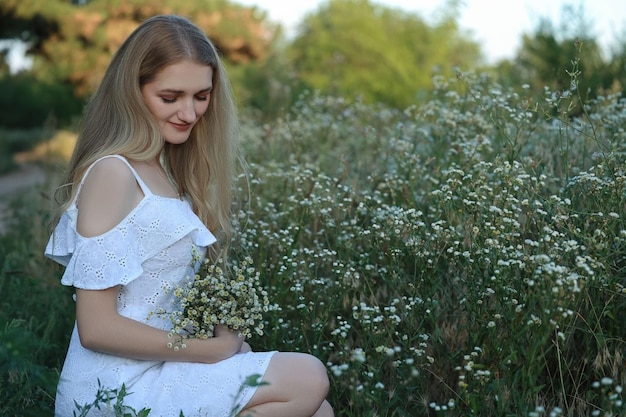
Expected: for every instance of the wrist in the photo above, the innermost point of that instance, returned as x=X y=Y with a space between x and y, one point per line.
x=219 y=348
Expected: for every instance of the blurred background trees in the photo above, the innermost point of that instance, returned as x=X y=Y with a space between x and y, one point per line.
x=71 y=43
x=353 y=48
x=554 y=52
x=356 y=48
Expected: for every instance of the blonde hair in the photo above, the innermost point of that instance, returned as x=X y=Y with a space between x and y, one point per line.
x=117 y=121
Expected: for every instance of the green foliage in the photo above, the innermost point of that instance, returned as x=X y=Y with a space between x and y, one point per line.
x=26 y=385
x=35 y=314
x=28 y=102
x=268 y=88
x=546 y=56
x=115 y=398
x=455 y=265
x=353 y=48
x=111 y=399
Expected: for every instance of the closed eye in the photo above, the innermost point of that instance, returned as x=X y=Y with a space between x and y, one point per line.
x=169 y=100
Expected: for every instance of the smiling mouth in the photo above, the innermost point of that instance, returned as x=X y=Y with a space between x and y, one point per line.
x=181 y=126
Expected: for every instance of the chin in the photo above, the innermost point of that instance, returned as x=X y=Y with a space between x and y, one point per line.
x=176 y=142
x=177 y=138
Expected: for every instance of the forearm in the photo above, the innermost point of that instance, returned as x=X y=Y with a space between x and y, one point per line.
x=122 y=336
x=103 y=329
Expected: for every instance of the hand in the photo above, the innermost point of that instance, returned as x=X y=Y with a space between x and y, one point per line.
x=234 y=337
x=245 y=348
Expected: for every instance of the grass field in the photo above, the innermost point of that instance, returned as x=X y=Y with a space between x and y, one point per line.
x=465 y=257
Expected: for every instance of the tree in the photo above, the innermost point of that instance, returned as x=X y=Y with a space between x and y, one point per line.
x=356 y=48
x=73 y=41
x=563 y=59
x=617 y=65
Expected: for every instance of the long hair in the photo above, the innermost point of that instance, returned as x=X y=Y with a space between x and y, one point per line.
x=117 y=121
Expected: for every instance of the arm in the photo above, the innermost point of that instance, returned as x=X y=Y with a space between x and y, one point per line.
x=109 y=193
x=102 y=329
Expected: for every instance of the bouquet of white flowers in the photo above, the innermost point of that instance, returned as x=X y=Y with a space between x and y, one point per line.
x=235 y=299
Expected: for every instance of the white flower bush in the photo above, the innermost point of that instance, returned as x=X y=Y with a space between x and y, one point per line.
x=461 y=257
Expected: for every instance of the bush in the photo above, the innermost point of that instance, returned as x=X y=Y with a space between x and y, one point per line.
x=461 y=258
x=27 y=102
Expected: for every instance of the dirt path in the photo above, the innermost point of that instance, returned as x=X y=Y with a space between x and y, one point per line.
x=21 y=180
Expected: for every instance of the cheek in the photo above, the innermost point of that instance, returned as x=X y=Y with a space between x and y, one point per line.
x=162 y=111
x=201 y=108
x=154 y=107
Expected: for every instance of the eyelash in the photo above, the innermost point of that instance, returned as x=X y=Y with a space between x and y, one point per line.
x=173 y=100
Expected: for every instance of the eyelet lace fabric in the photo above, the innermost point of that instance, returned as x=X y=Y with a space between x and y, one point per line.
x=147 y=253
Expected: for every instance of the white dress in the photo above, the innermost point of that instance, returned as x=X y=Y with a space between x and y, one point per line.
x=146 y=253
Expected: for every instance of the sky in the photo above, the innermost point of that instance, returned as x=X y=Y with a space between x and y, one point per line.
x=497 y=25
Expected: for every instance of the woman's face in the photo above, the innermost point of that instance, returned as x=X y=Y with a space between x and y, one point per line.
x=178 y=97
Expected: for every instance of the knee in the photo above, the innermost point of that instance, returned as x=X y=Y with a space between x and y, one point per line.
x=298 y=376
x=317 y=375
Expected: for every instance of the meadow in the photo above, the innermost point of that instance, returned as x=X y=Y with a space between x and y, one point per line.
x=463 y=257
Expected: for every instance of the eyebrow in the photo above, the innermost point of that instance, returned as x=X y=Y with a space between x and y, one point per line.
x=169 y=90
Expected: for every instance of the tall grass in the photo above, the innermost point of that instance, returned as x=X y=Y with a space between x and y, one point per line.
x=461 y=258
x=36 y=314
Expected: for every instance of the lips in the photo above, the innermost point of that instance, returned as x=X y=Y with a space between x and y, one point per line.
x=181 y=127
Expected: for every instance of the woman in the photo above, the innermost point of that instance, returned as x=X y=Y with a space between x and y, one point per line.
x=128 y=225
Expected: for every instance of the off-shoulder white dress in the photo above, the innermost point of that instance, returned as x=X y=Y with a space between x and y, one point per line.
x=147 y=253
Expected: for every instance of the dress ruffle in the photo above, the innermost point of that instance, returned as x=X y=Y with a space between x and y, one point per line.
x=116 y=257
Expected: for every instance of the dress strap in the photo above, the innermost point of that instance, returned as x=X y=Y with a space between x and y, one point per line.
x=144 y=188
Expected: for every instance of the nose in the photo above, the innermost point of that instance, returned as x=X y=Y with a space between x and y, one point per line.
x=187 y=112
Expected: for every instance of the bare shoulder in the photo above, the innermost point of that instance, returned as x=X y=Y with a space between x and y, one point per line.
x=109 y=193
x=111 y=168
